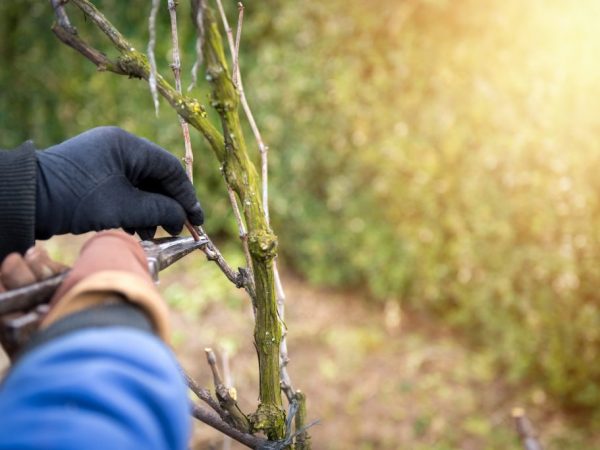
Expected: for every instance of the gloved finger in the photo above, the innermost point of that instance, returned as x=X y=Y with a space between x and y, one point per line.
x=155 y=210
x=41 y=264
x=181 y=190
x=15 y=272
x=146 y=233
x=146 y=162
x=173 y=230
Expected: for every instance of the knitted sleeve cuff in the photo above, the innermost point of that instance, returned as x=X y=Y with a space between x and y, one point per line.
x=17 y=199
x=118 y=313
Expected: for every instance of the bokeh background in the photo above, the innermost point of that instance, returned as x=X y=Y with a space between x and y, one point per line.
x=435 y=185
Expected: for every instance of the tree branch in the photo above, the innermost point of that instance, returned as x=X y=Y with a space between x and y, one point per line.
x=236 y=52
x=525 y=430
x=217 y=423
x=241 y=228
x=286 y=383
x=70 y=37
x=151 y=57
x=228 y=381
x=61 y=15
x=226 y=396
x=93 y=14
x=204 y=395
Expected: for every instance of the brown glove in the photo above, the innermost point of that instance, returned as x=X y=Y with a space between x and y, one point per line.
x=112 y=262
x=17 y=270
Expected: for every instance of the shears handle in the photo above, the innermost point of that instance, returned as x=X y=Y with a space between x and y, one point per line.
x=29 y=296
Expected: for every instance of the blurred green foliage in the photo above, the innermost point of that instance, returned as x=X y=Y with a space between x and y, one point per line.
x=441 y=153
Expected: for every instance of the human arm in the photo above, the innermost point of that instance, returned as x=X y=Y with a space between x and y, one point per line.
x=101 y=179
x=98 y=374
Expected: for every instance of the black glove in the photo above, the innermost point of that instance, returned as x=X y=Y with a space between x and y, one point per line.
x=107 y=178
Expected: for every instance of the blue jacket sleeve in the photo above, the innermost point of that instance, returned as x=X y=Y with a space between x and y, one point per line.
x=97 y=388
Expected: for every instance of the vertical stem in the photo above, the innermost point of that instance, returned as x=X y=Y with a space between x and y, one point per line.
x=286 y=384
x=176 y=66
x=151 y=58
x=228 y=381
x=241 y=228
x=197 y=19
x=240 y=174
x=303 y=440
x=527 y=433
x=236 y=50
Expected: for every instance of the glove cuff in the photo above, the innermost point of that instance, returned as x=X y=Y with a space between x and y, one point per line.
x=92 y=291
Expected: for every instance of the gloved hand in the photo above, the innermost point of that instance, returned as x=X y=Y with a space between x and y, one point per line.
x=110 y=263
x=17 y=270
x=107 y=178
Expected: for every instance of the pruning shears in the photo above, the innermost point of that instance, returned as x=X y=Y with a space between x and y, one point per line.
x=21 y=309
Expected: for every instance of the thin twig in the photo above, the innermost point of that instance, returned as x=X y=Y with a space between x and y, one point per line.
x=61 y=15
x=228 y=31
x=286 y=382
x=238 y=36
x=217 y=423
x=525 y=430
x=204 y=395
x=239 y=279
x=151 y=57
x=93 y=14
x=211 y=358
x=70 y=37
x=242 y=278
x=243 y=234
x=227 y=396
x=176 y=66
x=197 y=17
x=228 y=380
